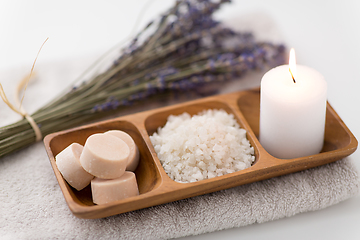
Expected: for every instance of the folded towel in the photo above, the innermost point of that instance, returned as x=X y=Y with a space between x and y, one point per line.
x=32 y=205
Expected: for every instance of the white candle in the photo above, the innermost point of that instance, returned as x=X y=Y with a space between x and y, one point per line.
x=292 y=110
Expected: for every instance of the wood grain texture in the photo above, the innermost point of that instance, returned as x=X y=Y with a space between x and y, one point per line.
x=156 y=187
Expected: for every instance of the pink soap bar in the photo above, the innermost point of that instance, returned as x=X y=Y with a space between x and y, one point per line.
x=110 y=190
x=68 y=163
x=105 y=156
x=134 y=151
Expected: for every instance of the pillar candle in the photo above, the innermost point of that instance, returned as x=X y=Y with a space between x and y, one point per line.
x=292 y=110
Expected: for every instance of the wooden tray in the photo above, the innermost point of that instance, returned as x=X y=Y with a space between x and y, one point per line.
x=156 y=187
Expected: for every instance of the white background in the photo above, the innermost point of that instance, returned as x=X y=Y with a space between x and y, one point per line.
x=325 y=35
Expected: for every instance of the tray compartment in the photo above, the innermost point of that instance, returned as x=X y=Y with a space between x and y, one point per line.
x=147 y=175
x=337 y=136
x=159 y=119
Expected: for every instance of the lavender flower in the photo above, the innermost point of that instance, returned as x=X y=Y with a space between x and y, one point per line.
x=183 y=51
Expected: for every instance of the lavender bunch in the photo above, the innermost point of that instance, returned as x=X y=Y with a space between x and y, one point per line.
x=184 y=50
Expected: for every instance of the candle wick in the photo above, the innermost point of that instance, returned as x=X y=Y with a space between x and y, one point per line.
x=292 y=75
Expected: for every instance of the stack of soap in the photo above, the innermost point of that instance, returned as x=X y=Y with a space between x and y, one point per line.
x=106 y=160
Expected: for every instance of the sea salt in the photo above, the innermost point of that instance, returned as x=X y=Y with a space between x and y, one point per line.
x=206 y=145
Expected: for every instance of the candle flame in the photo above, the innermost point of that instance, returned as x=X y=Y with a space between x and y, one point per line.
x=292 y=65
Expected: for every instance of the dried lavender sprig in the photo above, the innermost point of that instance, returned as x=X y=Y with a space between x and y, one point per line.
x=240 y=64
x=185 y=74
x=206 y=66
x=117 y=87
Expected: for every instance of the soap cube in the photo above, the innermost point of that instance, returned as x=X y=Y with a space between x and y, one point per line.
x=110 y=190
x=105 y=156
x=134 y=151
x=68 y=163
